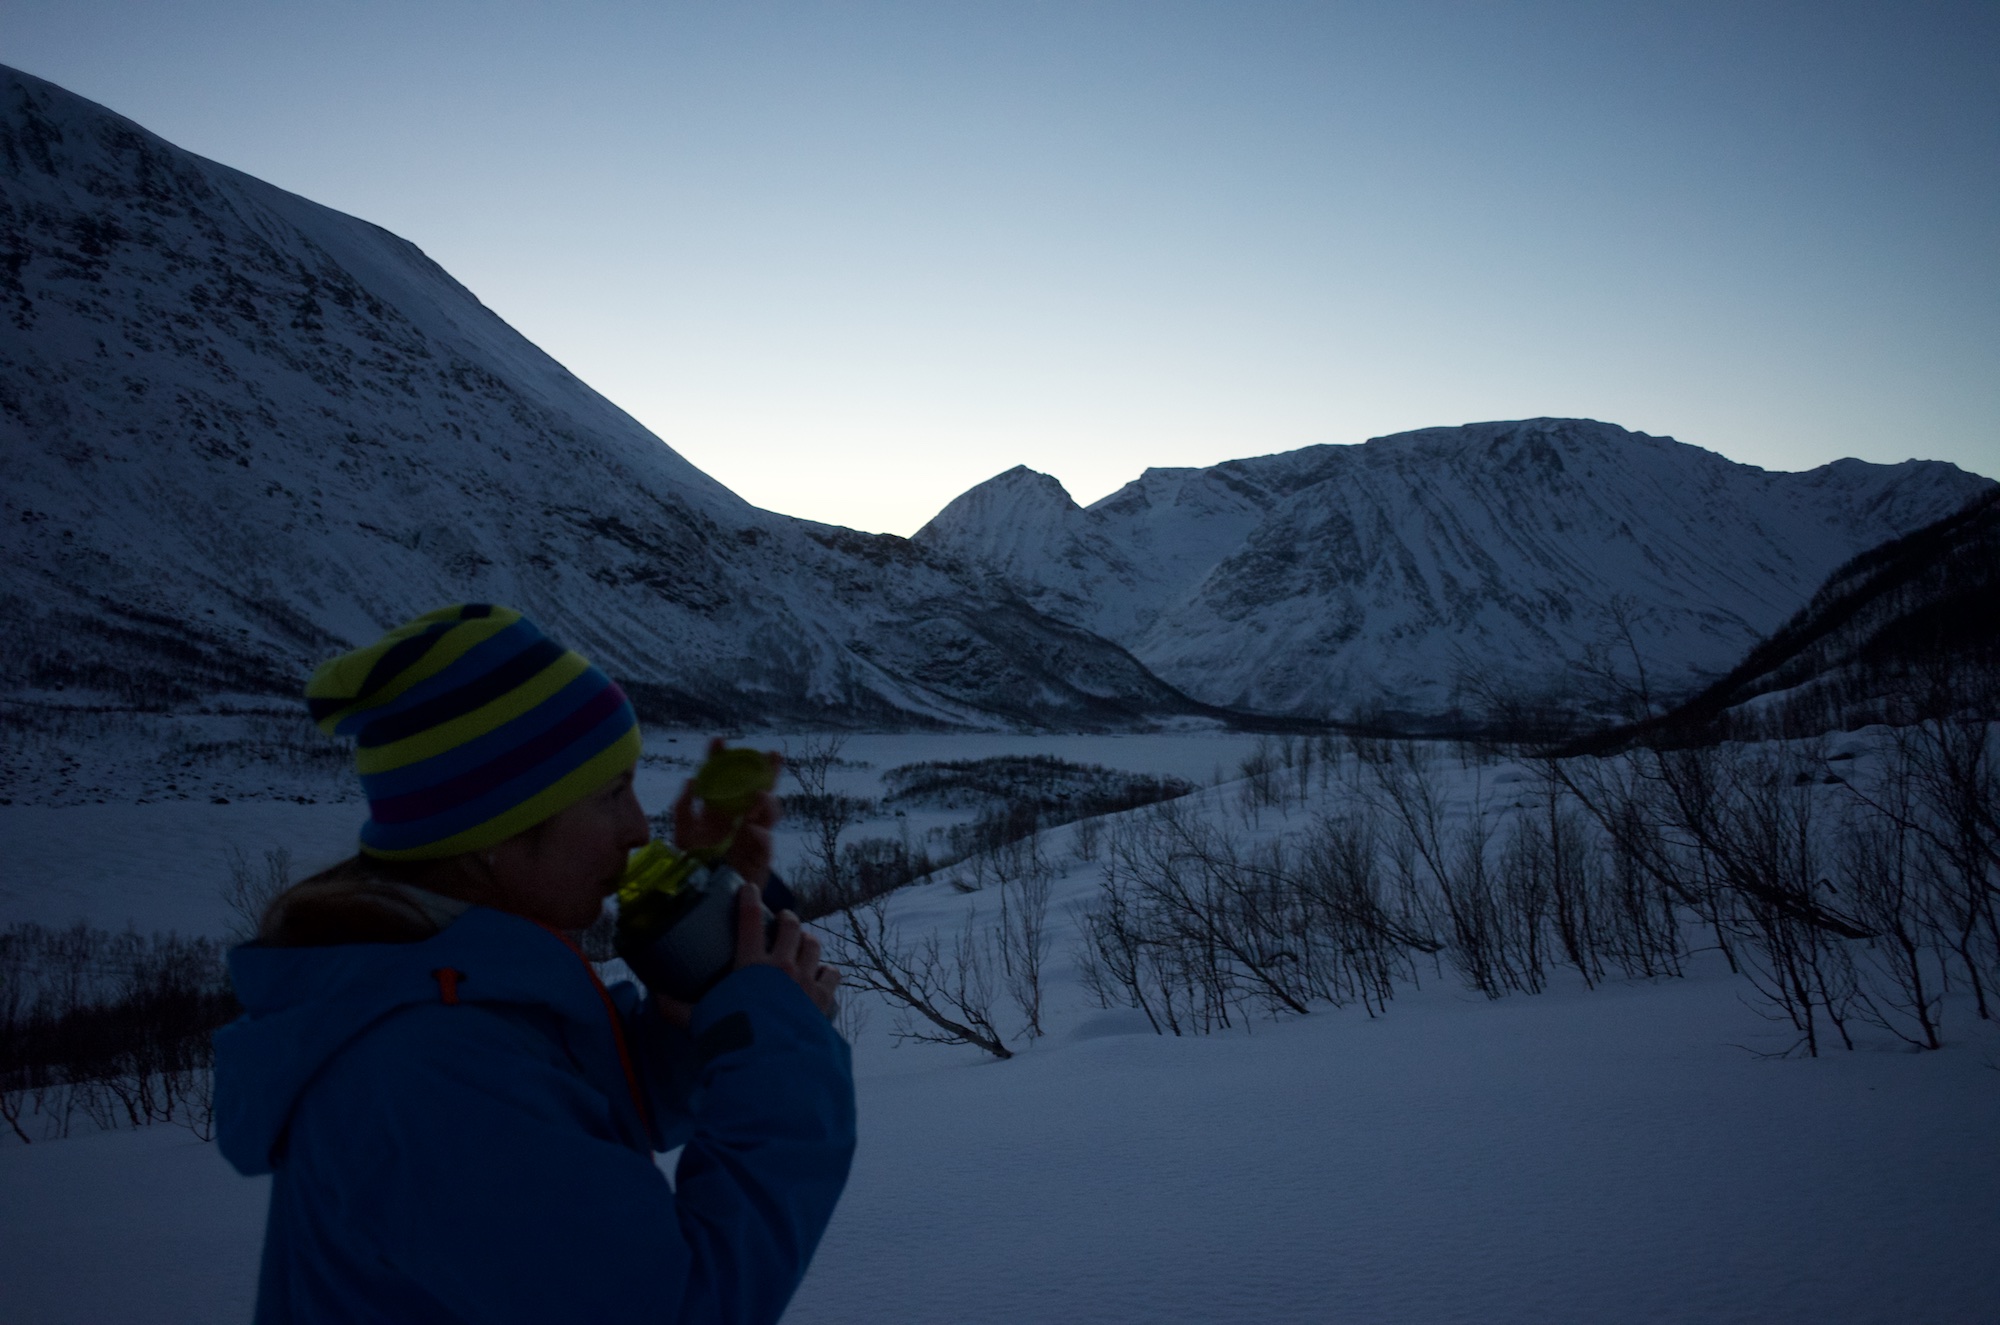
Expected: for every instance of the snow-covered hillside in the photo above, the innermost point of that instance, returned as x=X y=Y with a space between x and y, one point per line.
x=239 y=431
x=1618 y=1154
x=1336 y=580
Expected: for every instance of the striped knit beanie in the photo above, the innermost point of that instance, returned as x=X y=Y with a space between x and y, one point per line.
x=470 y=726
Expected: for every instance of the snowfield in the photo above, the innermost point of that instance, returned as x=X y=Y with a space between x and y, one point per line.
x=1616 y=1155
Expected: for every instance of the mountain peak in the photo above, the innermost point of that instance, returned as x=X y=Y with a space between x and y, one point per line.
x=1023 y=501
x=1332 y=579
x=1023 y=479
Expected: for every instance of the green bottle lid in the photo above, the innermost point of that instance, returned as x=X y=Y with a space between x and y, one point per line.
x=732 y=777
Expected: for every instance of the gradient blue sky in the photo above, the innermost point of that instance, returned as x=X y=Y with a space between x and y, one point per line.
x=852 y=258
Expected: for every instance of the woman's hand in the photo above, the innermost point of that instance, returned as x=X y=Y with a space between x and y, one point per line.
x=792 y=950
x=699 y=826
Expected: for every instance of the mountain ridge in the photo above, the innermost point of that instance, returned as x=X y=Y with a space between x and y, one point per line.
x=1363 y=575
x=242 y=430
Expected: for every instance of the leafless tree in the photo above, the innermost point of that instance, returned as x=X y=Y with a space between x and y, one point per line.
x=1955 y=811
x=1196 y=931
x=1303 y=757
x=826 y=813
x=1367 y=938
x=1085 y=839
x=1605 y=662
x=1262 y=785
x=1493 y=916
x=249 y=891
x=1112 y=961
x=1883 y=870
x=944 y=992
x=1736 y=835
x=110 y=1027
x=1024 y=882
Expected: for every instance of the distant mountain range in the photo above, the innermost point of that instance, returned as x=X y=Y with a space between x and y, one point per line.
x=240 y=431
x=1349 y=581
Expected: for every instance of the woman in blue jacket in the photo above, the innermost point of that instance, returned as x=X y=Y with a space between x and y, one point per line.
x=459 y=1118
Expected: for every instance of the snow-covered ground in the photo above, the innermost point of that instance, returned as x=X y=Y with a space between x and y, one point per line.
x=1609 y=1155
x=1594 y=1157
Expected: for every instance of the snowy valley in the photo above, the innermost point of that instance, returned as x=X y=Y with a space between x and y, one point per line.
x=1631 y=1151
x=1259 y=1018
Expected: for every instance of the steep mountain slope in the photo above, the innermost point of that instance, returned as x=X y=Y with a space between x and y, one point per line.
x=1340 y=580
x=239 y=430
x=1907 y=630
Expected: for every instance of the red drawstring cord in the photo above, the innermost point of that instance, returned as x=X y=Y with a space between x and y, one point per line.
x=617 y=1028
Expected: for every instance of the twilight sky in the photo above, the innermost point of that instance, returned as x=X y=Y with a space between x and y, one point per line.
x=852 y=258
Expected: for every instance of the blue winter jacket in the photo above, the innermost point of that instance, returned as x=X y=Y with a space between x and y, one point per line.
x=462 y=1130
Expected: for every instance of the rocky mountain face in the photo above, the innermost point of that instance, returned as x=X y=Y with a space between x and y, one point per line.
x=240 y=431
x=1378 y=579
x=1904 y=632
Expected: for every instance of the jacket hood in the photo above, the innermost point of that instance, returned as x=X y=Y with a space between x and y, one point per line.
x=302 y=1006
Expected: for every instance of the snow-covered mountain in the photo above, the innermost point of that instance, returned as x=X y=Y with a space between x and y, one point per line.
x=1352 y=580
x=1905 y=631
x=239 y=431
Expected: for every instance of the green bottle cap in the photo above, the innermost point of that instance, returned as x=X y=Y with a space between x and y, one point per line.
x=732 y=777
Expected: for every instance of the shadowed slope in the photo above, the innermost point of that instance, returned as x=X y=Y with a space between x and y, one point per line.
x=242 y=431
x=1907 y=630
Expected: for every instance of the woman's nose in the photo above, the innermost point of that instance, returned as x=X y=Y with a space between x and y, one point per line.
x=638 y=831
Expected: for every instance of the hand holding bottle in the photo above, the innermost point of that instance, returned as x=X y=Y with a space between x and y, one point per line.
x=678 y=918
x=729 y=808
x=792 y=950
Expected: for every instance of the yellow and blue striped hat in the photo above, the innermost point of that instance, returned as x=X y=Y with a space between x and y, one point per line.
x=471 y=725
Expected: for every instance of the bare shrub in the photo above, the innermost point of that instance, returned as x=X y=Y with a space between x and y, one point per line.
x=1884 y=872
x=1854 y=897
x=1088 y=836
x=1364 y=939
x=1300 y=755
x=1197 y=932
x=1024 y=880
x=944 y=992
x=249 y=891
x=113 y=1028
x=1493 y=917
x=826 y=813
x=1953 y=810
x=1261 y=784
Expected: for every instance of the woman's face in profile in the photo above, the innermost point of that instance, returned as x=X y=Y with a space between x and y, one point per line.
x=560 y=871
